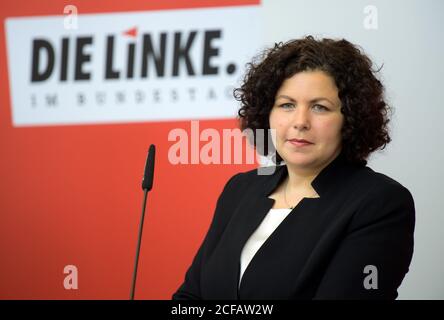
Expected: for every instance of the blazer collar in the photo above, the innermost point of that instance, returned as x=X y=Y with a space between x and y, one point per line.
x=329 y=177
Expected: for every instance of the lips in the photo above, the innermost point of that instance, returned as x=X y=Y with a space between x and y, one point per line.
x=300 y=142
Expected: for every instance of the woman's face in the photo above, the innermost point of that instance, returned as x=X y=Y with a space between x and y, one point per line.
x=307 y=107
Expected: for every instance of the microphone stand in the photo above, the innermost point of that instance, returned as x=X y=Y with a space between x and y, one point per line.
x=147 y=184
x=139 y=241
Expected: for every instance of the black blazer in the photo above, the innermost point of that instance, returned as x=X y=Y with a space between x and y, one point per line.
x=321 y=249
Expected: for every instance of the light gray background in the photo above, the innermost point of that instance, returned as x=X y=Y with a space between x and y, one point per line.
x=409 y=42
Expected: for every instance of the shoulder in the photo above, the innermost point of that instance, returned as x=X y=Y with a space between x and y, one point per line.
x=377 y=184
x=382 y=198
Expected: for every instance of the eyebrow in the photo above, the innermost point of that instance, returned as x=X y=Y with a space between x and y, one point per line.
x=311 y=101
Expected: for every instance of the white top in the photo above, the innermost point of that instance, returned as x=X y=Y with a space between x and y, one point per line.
x=271 y=221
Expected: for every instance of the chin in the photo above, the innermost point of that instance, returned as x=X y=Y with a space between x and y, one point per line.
x=300 y=159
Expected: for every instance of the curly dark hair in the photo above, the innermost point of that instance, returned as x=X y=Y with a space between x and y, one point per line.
x=361 y=93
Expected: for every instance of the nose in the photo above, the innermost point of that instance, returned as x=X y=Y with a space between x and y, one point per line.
x=301 y=118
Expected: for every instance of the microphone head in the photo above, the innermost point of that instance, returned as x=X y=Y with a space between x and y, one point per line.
x=147 y=182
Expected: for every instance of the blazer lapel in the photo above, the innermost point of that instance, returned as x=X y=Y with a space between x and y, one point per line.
x=222 y=270
x=248 y=215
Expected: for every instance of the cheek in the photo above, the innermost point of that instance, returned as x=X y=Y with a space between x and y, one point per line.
x=330 y=129
x=281 y=118
x=276 y=121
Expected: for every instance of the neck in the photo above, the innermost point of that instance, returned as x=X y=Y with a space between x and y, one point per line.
x=301 y=178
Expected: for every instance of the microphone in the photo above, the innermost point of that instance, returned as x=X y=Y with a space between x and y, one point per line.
x=147 y=184
x=147 y=181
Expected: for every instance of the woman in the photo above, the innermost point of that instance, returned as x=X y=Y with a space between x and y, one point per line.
x=323 y=225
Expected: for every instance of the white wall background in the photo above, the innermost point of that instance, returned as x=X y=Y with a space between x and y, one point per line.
x=409 y=42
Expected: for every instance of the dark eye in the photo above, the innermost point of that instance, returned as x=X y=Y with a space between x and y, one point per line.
x=320 y=107
x=286 y=105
